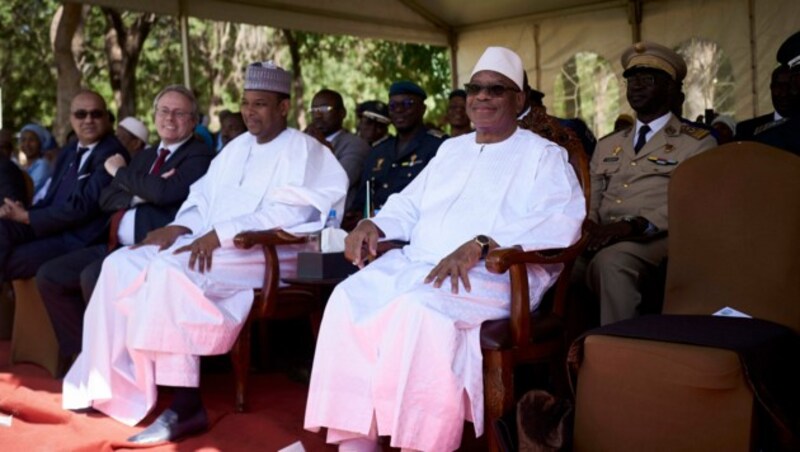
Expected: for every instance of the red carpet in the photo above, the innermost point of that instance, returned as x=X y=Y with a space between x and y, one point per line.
x=273 y=421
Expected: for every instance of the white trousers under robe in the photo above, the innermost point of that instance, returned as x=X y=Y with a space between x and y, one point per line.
x=150 y=318
x=406 y=352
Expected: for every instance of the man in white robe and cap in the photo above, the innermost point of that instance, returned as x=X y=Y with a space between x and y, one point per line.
x=399 y=351
x=161 y=304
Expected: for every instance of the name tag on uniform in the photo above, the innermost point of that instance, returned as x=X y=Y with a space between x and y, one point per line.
x=610 y=159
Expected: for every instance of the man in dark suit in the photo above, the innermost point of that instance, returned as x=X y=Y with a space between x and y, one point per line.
x=143 y=196
x=12 y=181
x=786 y=134
x=69 y=216
x=780 y=89
x=327 y=114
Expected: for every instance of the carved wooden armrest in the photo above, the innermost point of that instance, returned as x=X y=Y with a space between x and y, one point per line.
x=500 y=260
x=271 y=237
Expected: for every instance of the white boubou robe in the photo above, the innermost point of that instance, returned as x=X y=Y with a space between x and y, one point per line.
x=393 y=346
x=150 y=316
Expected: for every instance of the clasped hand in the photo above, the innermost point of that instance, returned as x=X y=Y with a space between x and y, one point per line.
x=601 y=236
x=14 y=211
x=201 y=248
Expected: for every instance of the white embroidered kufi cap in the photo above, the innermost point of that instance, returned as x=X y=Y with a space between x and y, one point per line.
x=267 y=76
x=135 y=127
x=502 y=61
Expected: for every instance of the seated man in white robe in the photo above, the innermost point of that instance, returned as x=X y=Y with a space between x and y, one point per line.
x=186 y=290
x=399 y=348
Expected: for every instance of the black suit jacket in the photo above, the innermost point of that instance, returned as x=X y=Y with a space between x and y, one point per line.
x=745 y=129
x=12 y=182
x=163 y=197
x=80 y=216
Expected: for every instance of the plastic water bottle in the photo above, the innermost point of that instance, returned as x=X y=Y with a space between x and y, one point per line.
x=331 y=221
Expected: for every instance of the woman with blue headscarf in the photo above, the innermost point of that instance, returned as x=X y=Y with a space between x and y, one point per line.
x=33 y=141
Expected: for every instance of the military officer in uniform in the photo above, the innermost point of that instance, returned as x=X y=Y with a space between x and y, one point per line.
x=785 y=134
x=630 y=172
x=396 y=161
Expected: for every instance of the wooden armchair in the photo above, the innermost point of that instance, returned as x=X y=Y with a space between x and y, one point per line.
x=531 y=337
x=272 y=301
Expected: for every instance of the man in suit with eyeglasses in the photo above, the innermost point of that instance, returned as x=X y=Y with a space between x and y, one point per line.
x=143 y=196
x=327 y=114
x=69 y=216
x=395 y=162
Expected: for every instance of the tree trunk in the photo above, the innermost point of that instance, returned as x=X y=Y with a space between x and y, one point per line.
x=66 y=22
x=297 y=78
x=123 y=48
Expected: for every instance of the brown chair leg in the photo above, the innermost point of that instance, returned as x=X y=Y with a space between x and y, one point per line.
x=498 y=388
x=240 y=358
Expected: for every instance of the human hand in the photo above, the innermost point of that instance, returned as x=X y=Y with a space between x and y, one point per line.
x=601 y=236
x=168 y=174
x=456 y=265
x=317 y=133
x=14 y=211
x=366 y=234
x=201 y=249
x=163 y=237
x=114 y=163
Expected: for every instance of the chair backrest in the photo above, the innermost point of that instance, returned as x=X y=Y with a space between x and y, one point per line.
x=734 y=234
x=546 y=126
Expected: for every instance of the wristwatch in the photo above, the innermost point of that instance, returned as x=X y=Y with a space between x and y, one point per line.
x=483 y=241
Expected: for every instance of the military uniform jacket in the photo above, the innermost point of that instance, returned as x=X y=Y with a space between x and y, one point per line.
x=389 y=171
x=626 y=183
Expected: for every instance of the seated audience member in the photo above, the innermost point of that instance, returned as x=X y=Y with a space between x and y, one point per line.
x=630 y=172
x=457 y=113
x=781 y=94
x=397 y=161
x=785 y=134
x=185 y=290
x=12 y=181
x=143 y=196
x=231 y=126
x=373 y=122
x=399 y=348
x=69 y=216
x=327 y=114
x=725 y=127
x=33 y=140
x=133 y=134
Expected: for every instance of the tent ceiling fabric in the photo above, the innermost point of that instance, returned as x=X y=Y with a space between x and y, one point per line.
x=420 y=21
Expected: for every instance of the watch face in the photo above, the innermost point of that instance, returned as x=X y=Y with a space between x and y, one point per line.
x=482 y=239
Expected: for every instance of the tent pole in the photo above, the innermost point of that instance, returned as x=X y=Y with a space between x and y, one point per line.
x=538 y=62
x=452 y=39
x=184 y=21
x=751 y=11
x=635 y=19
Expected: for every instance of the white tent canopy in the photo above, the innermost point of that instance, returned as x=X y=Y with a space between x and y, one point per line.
x=546 y=33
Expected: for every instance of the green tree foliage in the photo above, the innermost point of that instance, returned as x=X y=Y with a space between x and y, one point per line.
x=360 y=69
x=26 y=63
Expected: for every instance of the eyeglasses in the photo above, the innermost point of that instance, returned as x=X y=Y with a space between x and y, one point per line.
x=405 y=103
x=473 y=89
x=178 y=114
x=95 y=114
x=645 y=80
x=321 y=109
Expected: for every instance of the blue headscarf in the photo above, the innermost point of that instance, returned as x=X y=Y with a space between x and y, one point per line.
x=45 y=138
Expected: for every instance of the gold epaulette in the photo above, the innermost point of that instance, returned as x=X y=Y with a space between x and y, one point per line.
x=695 y=132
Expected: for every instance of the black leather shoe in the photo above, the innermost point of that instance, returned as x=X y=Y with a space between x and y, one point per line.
x=167 y=427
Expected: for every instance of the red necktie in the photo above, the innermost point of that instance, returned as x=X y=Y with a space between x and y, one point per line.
x=116 y=219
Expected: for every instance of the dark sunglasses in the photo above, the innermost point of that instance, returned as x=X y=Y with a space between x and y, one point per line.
x=473 y=89
x=405 y=103
x=95 y=114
